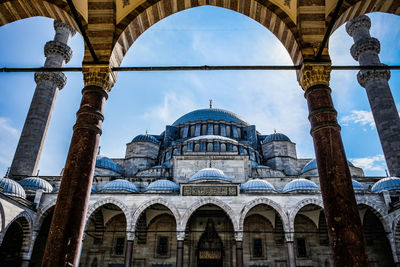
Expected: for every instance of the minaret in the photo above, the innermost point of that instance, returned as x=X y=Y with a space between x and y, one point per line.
x=365 y=50
x=57 y=53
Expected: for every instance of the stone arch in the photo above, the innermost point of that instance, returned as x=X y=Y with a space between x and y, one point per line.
x=43 y=212
x=2 y=218
x=268 y=202
x=11 y=11
x=149 y=203
x=26 y=229
x=300 y=205
x=92 y=208
x=209 y=200
x=378 y=211
x=148 y=13
x=364 y=7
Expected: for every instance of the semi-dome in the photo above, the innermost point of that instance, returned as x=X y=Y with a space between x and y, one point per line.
x=312 y=165
x=12 y=188
x=162 y=185
x=36 y=183
x=210 y=175
x=257 y=185
x=386 y=184
x=357 y=186
x=275 y=137
x=300 y=185
x=107 y=163
x=146 y=138
x=119 y=185
x=212 y=114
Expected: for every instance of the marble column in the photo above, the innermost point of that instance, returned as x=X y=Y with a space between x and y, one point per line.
x=341 y=211
x=289 y=239
x=180 y=237
x=57 y=52
x=365 y=50
x=67 y=226
x=128 y=253
x=239 y=249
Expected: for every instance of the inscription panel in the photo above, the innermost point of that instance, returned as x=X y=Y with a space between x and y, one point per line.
x=208 y=190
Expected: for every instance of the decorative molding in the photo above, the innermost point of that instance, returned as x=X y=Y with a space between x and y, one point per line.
x=366 y=76
x=314 y=74
x=58 y=49
x=180 y=235
x=98 y=75
x=58 y=25
x=58 y=78
x=358 y=23
x=239 y=236
x=370 y=44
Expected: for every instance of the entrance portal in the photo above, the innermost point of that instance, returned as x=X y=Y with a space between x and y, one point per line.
x=210 y=253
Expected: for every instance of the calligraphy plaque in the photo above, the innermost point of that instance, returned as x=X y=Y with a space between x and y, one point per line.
x=207 y=190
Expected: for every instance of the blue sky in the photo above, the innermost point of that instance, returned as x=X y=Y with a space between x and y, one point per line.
x=143 y=101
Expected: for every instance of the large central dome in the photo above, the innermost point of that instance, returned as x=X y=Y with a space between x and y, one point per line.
x=212 y=114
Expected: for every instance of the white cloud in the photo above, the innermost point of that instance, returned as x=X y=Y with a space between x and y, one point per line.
x=5 y=127
x=361 y=117
x=374 y=163
x=8 y=141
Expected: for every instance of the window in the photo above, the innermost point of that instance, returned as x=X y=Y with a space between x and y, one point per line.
x=257 y=248
x=301 y=247
x=162 y=246
x=119 y=246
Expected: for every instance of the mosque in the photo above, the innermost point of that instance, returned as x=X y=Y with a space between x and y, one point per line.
x=210 y=190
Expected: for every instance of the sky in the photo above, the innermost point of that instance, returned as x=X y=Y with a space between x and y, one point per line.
x=148 y=101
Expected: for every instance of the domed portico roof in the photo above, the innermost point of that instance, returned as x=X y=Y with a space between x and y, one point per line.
x=386 y=184
x=275 y=137
x=257 y=185
x=300 y=185
x=107 y=163
x=162 y=185
x=119 y=185
x=213 y=114
x=146 y=138
x=36 y=183
x=12 y=188
x=210 y=175
x=357 y=186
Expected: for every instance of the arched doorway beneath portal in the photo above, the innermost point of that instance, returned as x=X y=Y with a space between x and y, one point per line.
x=209 y=238
x=40 y=242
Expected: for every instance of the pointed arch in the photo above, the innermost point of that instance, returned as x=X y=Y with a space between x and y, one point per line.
x=300 y=205
x=209 y=200
x=378 y=211
x=26 y=222
x=268 y=202
x=43 y=212
x=149 y=203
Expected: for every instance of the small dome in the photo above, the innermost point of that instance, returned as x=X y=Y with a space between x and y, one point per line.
x=312 y=165
x=12 y=188
x=213 y=114
x=146 y=138
x=162 y=185
x=257 y=185
x=36 y=183
x=275 y=137
x=210 y=175
x=386 y=184
x=357 y=186
x=106 y=163
x=300 y=185
x=120 y=185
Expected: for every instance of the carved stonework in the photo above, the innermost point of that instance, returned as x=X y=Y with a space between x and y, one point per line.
x=58 y=25
x=357 y=23
x=130 y=236
x=238 y=236
x=364 y=45
x=314 y=74
x=58 y=78
x=289 y=237
x=209 y=190
x=365 y=76
x=99 y=75
x=59 y=49
x=180 y=235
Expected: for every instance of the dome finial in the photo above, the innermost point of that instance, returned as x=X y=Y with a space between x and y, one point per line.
x=98 y=152
x=210 y=103
x=147 y=132
x=274 y=130
x=7 y=173
x=37 y=174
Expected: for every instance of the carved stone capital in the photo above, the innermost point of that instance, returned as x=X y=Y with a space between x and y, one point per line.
x=365 y=45
x=58 y=78
x=98 y=75
x=289 y=237
x=365 y=76
x=238 y=236
x=58 y=25
x=59 y=49
x=180 y=235
x=130 y=236
x=357 y=23
x=312 y=74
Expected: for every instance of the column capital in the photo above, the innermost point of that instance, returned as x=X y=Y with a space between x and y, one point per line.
x=58 y=78
x=180 y=235
x=357 y=23
x=238 y=236
x=289 y=237
x=370 y=44
x=130 y=236
x=313 y=73
x=98 y=75
x=365 y=76
x=58 y=25
x=58 y=49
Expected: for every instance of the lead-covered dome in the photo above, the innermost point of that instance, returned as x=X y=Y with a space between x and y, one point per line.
x=146 y=138
x=312 y=165
x=386 y=184
x=300 y=185
x=276 y=137
x=106 y=163
x=12 y=188
x=36 y=183
x=210 y=175
x=210 y=114
x=119 y=185
x=162 y=185
x=257 y=185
